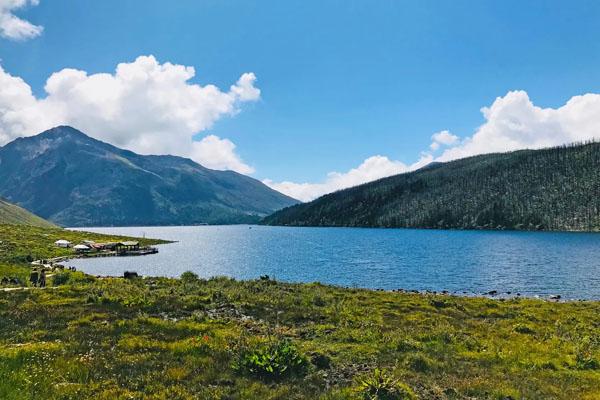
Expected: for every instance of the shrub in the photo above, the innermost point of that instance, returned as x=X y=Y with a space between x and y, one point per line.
x=61 y=278
x=188 y=277
x=272 y=361
x=381 y=386
x=72 y=278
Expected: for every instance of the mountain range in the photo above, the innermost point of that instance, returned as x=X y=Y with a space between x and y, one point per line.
x=548 y=189
x=71 y=179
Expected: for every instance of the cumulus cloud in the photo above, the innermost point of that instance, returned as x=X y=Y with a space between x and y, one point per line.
x=512 y=122
x=144 y=106
x=371 y=169
x=13 y=27
x=442 y=138
x=216 y=153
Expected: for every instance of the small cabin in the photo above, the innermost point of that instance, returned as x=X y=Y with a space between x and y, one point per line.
x=124 y=247
x=62 y=243
x=81 y=248
x=110 y=246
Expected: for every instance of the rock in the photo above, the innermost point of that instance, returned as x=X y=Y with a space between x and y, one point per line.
x=555 y=297
x=320 y=360
x=492 y=293
x=130 y=275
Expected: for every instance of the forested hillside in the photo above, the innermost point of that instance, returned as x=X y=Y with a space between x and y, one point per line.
x=550 y=189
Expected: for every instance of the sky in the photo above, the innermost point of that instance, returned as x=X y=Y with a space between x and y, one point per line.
x=306 y=96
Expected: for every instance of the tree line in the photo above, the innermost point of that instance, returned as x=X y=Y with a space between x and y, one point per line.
x=550 y=189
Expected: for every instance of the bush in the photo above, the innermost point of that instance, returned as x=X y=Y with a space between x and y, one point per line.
x=61 y=278
x=380 y=386
x=189 y=278
x=72 y=278
x=272 y=361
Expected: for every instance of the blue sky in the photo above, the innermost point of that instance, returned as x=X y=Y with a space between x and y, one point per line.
x=340 y=81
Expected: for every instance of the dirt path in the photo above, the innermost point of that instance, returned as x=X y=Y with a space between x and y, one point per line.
x=14 y=289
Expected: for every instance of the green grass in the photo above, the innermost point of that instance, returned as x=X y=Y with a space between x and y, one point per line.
x=15 y=215
x=159 y=338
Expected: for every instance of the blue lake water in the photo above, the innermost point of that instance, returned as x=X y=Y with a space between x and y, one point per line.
x=531 y=263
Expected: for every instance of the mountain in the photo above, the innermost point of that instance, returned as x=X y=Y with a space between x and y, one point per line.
x=550 y=189
x=73 y=180
x=15 y=215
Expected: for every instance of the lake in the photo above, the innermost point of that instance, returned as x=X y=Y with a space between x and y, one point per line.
x=465 y=262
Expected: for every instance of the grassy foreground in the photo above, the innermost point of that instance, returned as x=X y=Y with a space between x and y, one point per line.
x=158 y=338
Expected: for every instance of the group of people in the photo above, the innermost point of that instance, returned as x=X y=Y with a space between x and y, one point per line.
x=38 y=278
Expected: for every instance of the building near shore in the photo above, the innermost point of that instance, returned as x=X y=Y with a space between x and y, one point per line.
x=62 y=243
x=124 y=247
x=81 y=248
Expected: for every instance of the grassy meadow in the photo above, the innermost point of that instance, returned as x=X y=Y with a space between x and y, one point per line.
x=157 y=338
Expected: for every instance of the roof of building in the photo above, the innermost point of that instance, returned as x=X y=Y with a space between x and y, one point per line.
x=62 y=241
x=81 y=247
x=130 y=243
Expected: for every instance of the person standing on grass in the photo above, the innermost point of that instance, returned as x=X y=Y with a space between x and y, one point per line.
x=33 y=277
x=43 y=278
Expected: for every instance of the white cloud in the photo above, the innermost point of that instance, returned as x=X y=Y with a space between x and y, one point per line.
x=445 y=138
x=512 y=122
x=371 y=169
x=144 y=106
x=216 y=153
x=442 y=138
x=13 y=27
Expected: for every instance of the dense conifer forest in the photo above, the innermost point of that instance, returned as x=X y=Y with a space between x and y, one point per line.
x=550 y=189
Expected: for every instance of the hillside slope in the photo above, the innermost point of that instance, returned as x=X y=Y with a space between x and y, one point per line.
x=549 y=189
x=74 y=180
x=15 y=215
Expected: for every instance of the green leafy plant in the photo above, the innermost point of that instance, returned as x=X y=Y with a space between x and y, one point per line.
x=272 y=361
x=584 y=356
x=381 y=386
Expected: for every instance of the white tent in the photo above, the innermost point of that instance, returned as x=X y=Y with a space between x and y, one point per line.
x=62 y=243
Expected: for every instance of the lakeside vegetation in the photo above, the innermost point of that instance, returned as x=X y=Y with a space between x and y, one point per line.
x=22 y=244
x=190 y=338
x=555 y=189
